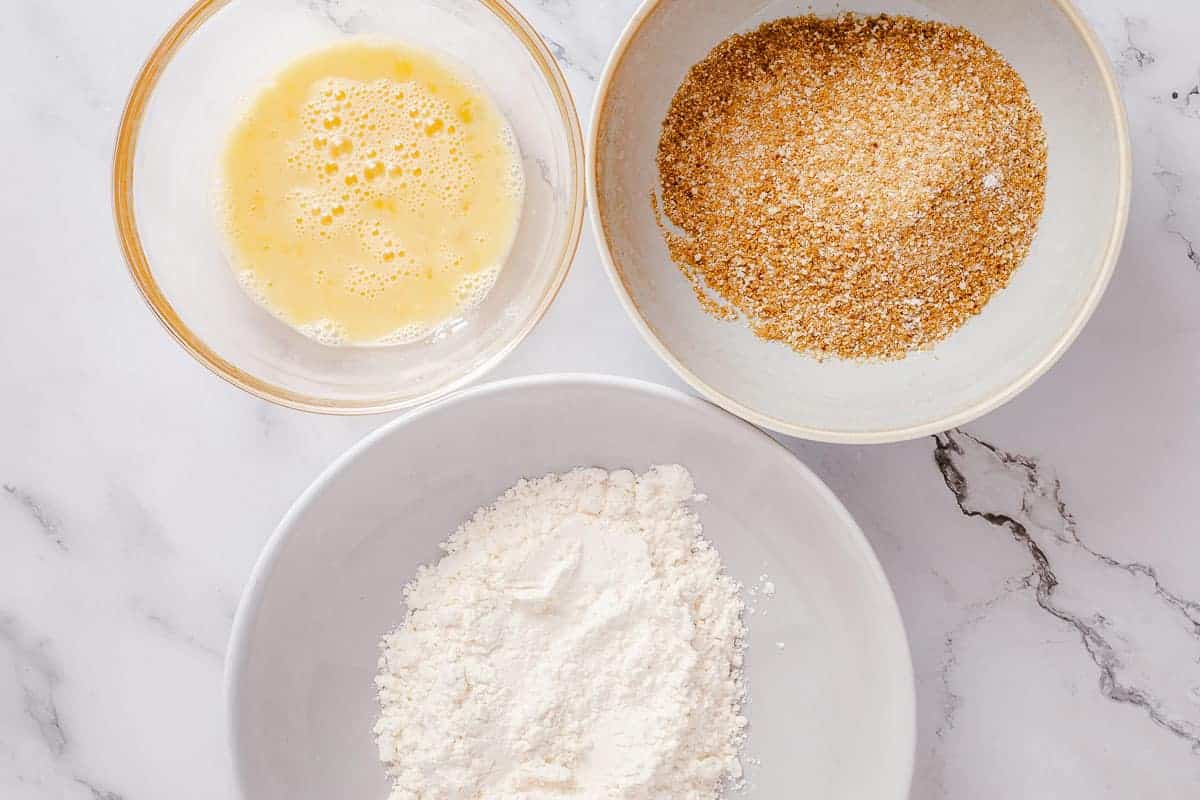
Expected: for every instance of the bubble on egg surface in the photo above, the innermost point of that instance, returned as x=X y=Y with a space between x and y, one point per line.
x=408 y=334
x=397 y=198
x=252 y=286
x=325 y=331
x=376 y=136
x=473 y=287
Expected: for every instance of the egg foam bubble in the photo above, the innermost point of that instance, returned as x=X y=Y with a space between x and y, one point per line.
x=370 y=194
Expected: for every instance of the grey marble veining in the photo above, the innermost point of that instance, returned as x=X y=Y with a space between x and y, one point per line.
x=43 y=520
x=1143 y=638
x=1046 y=557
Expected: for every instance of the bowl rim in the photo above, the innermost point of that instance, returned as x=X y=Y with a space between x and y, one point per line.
x=1112 y=251
x=124 y=156
x=245 y=617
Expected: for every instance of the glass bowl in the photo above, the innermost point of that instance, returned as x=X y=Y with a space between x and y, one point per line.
x=186 y=100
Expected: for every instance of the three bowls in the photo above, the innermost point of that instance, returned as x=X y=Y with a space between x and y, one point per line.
x=327 y=581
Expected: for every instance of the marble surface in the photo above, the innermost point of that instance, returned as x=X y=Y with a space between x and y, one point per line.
x=1046 y=557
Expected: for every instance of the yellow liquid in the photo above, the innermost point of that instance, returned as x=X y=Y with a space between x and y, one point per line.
x=370 y=194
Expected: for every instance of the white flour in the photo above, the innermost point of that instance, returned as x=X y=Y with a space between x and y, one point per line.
x=579 y=639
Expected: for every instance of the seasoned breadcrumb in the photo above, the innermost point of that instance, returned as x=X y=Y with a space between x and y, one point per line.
x=855 y=187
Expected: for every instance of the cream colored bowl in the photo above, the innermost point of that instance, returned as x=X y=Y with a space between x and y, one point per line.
x=832 y=713
x=1021 y=332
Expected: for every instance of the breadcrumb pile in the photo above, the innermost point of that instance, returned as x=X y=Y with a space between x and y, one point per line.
x=855 y=186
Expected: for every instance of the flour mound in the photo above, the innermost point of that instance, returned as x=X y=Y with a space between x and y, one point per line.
x=578 y=639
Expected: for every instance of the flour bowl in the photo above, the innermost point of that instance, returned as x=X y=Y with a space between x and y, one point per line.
x=185 y=102
x=1020 y=333
x=831 y=713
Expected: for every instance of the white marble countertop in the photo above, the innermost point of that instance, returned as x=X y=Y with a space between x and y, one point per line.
x=1046 y=557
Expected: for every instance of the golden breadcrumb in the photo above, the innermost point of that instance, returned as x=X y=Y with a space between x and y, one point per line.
x=856 y=186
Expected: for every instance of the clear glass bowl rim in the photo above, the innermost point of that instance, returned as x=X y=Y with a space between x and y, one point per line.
x=143 y=276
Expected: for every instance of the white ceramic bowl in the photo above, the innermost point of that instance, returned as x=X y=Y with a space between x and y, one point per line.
x=1021 y=332
x=183 y=105
x=831 y=715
